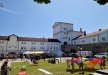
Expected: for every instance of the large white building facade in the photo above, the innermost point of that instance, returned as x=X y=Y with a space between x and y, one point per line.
x=18 y=44
x=100 y=36
x=65 y=32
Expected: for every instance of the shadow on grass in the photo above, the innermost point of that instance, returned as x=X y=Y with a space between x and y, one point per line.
x=79 y=70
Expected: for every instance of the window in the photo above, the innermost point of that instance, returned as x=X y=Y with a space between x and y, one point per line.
x=64 y=28
x=54 y=48
x=74 y=41
x=23 y=42
x=103 y=38
x=22 y=48
x=41 y=43
x=25 y=48
x=51 y=43
x=31 y=48
x=2 y=42
x=33 y=43
x=83 y=41
x=94 y=39
x=69 y=38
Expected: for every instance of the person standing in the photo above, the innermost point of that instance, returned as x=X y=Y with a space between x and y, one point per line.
x=72 y=64
x=4 y=68
x=103 y=61
x=81 y=66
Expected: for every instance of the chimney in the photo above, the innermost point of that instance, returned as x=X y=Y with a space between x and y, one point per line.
x=80 y=29
x=100 y=29
x=84 y=33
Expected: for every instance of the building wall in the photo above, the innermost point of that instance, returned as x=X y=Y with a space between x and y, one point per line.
x=64 y=32
x=86 y=40
x=99 y=38
x=3 y=46
x=103 y=37
x=13 y=45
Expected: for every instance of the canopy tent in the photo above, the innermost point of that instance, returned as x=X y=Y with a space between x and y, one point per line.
x=34 y=52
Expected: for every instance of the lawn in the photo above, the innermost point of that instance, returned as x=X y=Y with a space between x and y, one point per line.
x=56 y=69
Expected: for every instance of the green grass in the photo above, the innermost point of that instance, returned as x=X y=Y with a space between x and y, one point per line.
x=56 y=69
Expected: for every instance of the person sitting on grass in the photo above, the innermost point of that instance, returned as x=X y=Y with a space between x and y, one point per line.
x=22 y=71
x=35 y=61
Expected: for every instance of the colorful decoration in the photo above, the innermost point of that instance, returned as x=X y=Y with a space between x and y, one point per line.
x=88 y=62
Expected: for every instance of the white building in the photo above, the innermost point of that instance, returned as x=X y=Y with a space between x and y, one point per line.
x=18 y=44
x=65 y=33
x=100 y=36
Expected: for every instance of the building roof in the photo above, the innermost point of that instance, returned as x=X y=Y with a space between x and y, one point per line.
x=93 y=33
x=53 y=40
x=60 y=23
x=30 y=39
x=75 y=31
x=3 y=37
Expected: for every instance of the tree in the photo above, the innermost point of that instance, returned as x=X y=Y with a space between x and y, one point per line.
x=43 y=1
x=101 y=2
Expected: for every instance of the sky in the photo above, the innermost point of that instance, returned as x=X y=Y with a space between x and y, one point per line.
x=26 y=18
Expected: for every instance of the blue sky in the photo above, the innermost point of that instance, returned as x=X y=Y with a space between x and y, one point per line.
x=28 y=19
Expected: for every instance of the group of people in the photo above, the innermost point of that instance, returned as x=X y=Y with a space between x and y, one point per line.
x=81 y=64
x=73 y=65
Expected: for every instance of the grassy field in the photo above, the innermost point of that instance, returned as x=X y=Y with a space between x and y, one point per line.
x=56 y=69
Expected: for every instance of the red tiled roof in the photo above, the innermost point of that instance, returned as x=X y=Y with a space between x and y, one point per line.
x=32 y=39
x=3 y=37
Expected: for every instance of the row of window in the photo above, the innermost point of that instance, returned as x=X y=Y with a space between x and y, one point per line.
x=1 y=42
x=33 y=43
x=42 y=48
x=93 y=39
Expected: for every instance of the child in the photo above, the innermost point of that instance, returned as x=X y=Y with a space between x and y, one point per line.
x=22 y=71
x=68 y=64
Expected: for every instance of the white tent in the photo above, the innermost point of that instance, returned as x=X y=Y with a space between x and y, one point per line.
x=34 y=52
x=27 y=52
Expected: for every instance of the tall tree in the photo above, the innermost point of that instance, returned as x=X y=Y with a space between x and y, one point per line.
x=101 y=2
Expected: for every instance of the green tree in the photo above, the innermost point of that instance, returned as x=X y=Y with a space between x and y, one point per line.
x=43 y=1
x=101 y=2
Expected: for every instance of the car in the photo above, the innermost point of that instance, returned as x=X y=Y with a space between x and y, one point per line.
x=100 y=55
